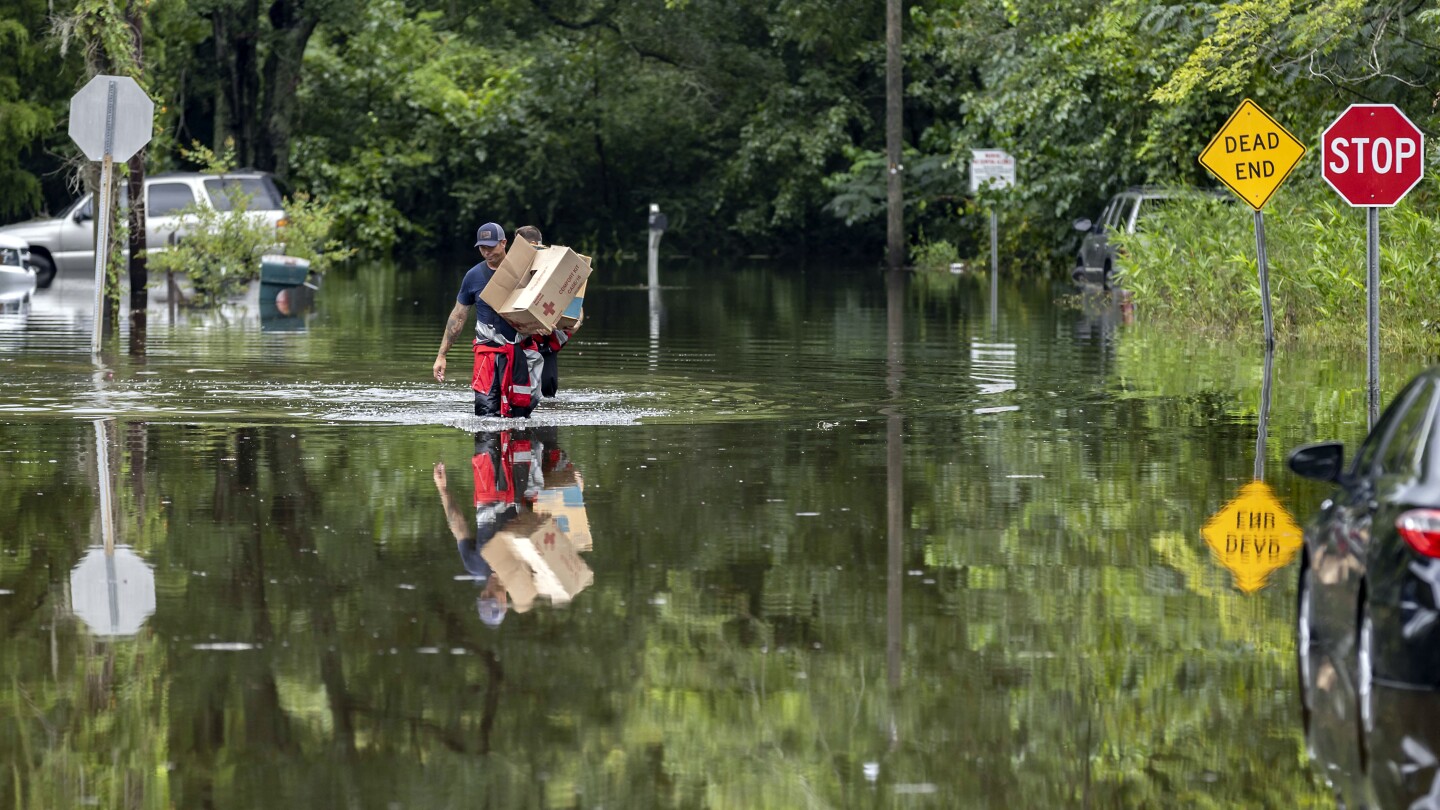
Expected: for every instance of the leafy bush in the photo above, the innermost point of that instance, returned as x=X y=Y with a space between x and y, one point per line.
x=935 y=257
x=1194 y=263
x=308 y=231
x=221 y=253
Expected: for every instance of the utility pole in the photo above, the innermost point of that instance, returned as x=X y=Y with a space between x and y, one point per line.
x=894 y=111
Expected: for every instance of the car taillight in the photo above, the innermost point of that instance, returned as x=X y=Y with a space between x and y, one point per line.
x=282 y=222
x=1421 y=529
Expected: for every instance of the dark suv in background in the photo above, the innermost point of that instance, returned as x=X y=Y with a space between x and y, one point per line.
x=1097 y=262
x=66 y=244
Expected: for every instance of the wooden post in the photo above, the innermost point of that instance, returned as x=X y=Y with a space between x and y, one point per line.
x=894 y=117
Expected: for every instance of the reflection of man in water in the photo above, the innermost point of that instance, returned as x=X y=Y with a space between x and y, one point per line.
x=506 y=483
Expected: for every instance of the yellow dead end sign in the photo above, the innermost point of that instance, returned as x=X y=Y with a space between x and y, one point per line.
x=1252 y=154
x=1253 y=536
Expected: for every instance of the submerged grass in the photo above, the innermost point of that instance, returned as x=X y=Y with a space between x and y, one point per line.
x=1193 y=265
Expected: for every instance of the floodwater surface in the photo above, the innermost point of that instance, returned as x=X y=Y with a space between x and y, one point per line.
x=784 y=539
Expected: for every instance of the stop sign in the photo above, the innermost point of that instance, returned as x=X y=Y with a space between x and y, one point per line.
x=112 y=107
x=1372 y=155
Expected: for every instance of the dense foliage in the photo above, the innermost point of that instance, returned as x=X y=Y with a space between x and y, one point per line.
x=1194 y=263
x=757 y=125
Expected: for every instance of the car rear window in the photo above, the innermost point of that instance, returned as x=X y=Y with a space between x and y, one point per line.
x=1119 y=214
x=168 y=199
x=1149 y=205
x=1401 y=455
x=223 y=192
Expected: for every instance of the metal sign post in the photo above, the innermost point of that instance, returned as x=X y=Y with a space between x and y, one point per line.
x=1262 y=262
x=994 y=259
x=658 y=222
x=1372 y=313
x=111 y=118
x=1262 y=430
x=1252 y=154
x=1374 y=155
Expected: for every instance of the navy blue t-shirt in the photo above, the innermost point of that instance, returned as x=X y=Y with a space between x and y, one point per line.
x=475 y=280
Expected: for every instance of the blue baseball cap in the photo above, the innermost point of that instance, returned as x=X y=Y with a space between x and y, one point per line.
x=490 y=234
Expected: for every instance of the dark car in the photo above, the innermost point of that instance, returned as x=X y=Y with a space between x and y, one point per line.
x=1393 y=764
x=1097 y=262
x=1370 y=569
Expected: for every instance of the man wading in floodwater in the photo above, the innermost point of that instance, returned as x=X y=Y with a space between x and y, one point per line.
x=504 y=374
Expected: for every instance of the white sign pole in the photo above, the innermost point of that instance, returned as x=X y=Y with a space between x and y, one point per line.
x=658 y=221
x=107 y=508
x=102 y=217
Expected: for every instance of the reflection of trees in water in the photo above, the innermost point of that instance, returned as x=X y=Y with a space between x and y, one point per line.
x=270 y=467
x=1076 y=643
x=78 y=714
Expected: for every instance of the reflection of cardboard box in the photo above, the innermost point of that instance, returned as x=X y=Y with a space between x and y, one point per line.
x=566 y=505
x=534 y=286
x=508 y=566
x=533 y=557
x=561 y=477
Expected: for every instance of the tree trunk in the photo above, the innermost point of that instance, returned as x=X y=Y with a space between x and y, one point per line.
x=139 y=273
x=282 y=85
x=237 y=42
x=261 y=95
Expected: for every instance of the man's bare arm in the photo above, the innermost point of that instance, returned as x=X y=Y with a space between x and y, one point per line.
x=459 y=526
x=453 y=327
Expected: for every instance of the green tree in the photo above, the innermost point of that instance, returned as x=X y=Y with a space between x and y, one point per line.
x=35 y=87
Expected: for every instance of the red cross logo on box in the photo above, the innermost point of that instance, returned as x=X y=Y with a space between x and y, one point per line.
x=548 y=308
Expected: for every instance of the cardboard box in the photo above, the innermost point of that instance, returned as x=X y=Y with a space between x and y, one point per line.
x=556 y=276
x=566 y=506
x=570 y=318
x=532 y=557
x=541 y=283
x=510 y=275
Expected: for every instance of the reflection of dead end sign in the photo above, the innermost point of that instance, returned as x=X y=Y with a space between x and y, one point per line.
x=1252 y=154
x=1253 y=536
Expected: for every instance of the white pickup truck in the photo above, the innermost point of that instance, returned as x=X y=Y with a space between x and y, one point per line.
x=66 y=244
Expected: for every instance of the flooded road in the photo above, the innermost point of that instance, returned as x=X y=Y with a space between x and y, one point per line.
x=793 y=540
